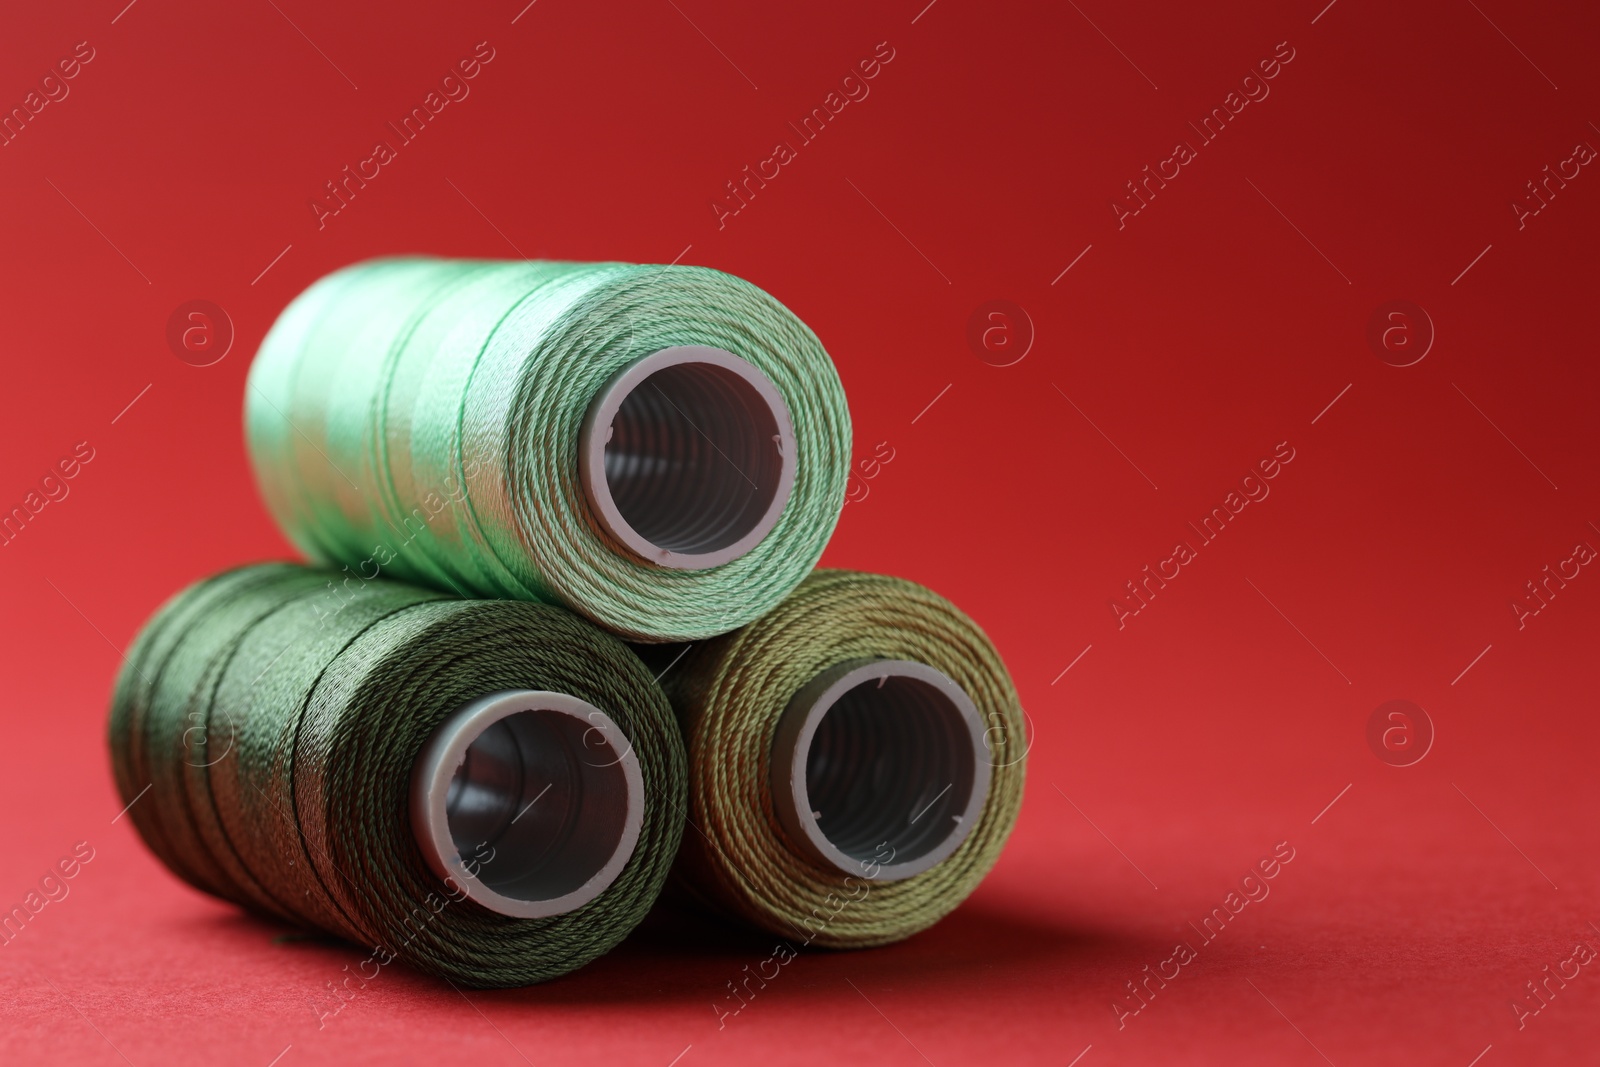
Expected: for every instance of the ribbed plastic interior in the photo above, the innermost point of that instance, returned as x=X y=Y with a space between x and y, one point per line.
x=692 y=463
x=889 y=768
x=551 y=808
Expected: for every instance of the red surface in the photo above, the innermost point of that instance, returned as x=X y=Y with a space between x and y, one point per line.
x=1219 y=721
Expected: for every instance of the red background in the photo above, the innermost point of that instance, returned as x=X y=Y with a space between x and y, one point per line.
x=1221 y=320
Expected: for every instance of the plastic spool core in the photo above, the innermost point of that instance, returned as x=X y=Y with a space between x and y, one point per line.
x=542 y=789
x=879 y=762
x=687 y=456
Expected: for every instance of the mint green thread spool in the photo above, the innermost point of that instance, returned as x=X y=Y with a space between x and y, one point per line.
x=661 y=449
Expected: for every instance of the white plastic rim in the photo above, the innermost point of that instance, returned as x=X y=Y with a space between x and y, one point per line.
x=687 y=457
x=879 y=769
x=528 y=802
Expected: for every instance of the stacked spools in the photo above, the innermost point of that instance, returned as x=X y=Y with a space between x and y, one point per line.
x=434 y=742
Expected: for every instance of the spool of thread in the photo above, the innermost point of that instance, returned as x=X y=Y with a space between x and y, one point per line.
x=856 y=762
x=661 y=449
x=490 y=791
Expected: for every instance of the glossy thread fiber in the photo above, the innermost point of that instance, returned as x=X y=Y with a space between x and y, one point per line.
x=420 y=418
x=729 y=694
x=277 y=738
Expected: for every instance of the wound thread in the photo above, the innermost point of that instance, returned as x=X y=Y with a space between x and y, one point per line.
x=885 y=766
x=661 y=449
x=279 y=745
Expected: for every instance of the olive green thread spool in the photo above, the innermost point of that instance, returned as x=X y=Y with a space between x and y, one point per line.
x=856 y=762
x=491 y=791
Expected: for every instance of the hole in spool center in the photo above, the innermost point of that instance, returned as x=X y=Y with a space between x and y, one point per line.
x=533 y=810
x=695 y=455
x=892 y=770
